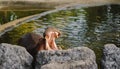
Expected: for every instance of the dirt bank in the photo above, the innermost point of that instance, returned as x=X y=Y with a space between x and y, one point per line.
x=53 y=3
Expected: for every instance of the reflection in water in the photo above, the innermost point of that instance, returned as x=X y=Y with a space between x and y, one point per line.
x=92 y=27
x=13 y=16
x=7 y=16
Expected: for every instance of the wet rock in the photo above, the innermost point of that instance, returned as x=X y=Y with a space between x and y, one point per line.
x=77 y=58
x=111 y=57
x=14 y=57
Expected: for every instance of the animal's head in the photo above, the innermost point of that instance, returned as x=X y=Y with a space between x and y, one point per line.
x=51 y=32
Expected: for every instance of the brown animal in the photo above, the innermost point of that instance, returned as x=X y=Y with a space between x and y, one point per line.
x=50 y=35
x=34 y=42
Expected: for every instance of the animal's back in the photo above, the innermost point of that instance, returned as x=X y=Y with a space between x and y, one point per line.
x=29 y=41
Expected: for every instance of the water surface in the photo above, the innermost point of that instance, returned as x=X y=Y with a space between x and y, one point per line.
x=8 y=15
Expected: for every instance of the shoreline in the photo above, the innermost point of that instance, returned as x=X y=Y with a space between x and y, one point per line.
x=10 y=25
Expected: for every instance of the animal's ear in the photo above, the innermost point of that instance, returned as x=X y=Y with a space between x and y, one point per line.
x=59 y=33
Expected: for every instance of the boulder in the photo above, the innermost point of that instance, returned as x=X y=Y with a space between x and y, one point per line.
x=14 y=57
x=111 y=57
x=76 y=58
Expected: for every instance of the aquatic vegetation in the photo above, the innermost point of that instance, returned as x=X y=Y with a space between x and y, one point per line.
x=13 y=36
x=7 y=16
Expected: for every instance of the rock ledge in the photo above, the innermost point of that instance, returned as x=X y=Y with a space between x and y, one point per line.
x=77 y=58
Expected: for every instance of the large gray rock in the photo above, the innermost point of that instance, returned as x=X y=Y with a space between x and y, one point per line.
x=14 y=57
x=111 y=57
x=77 y=58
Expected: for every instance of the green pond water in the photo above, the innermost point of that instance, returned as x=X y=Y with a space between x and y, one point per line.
x=91 y=27
x=12 y=14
